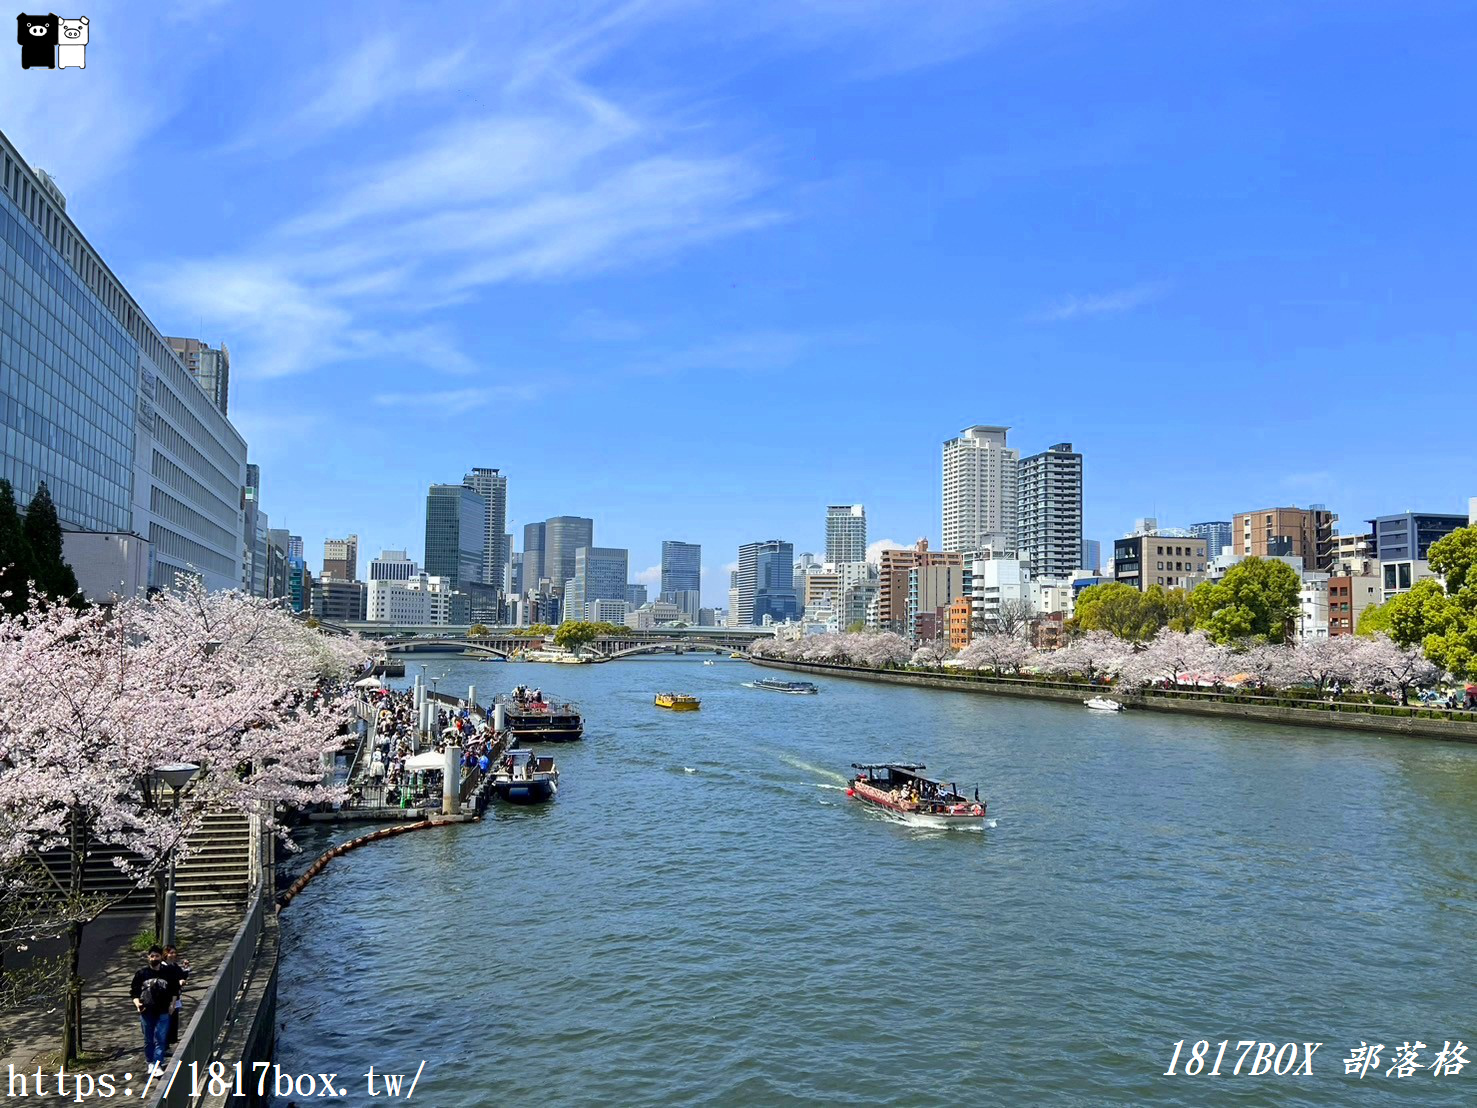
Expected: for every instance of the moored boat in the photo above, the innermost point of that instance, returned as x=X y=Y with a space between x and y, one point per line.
x=532 y=717
x=524 y=777
x=798 y=688
x=1103 y=704
x=900 y=788
x=677 y=702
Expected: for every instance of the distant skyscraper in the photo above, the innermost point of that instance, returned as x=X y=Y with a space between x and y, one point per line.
x=211 y=368
x=635 y=595
x=492 y=486
x=682 y=575
x=456 y=533
x=1092 y=555
x=533 y=555
x=1216 y=533
x=295 y=547
x=341 y=558
x=980 y=475
x=846 y=533
x=563 y=535
x=254 y=563
x=765 y=583
x=602 y=571
x=1049 y=511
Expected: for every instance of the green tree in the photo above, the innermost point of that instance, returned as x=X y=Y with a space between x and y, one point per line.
x=1374 y=620
x=1449 y=615
x=575 y=634
x=1120 y=610
x=477 y=631
x=856 y=626
x=1415 y=613
x=1257 y=598
x=15 y=554
x=43 y=530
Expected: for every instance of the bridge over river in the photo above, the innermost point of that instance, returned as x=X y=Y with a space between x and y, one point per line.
x=504 y=644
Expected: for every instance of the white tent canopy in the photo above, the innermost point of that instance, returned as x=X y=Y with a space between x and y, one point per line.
x=419 y=763
x=367 y=683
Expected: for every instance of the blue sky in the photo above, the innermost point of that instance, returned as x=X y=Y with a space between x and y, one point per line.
x=697 y=270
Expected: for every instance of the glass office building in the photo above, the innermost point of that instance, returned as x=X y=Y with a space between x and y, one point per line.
x=94 y=402
x=456 y=534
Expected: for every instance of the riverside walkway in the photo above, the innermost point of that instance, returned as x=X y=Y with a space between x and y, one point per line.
x=112 y=1042
x=1453 y=725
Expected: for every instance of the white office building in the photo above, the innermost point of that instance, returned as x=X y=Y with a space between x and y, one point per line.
x=980 y=490
x=846 y=533
x=996 y=583
x=392 y=565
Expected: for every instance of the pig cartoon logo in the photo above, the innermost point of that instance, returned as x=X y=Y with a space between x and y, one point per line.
x=71 y=50
x=37 y=35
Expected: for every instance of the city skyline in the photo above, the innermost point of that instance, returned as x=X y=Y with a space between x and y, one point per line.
x=744 y=255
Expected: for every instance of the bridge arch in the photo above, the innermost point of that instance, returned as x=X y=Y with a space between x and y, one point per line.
x=463 y=645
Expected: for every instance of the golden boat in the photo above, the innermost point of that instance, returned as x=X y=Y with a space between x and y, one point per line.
x=677 y=702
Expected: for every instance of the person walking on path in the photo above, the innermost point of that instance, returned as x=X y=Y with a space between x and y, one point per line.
x=179 y=969
x=153 y=992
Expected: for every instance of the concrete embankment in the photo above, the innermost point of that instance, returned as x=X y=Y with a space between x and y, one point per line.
x=1350 y=717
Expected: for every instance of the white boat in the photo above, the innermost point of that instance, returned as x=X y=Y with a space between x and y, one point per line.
x=1103 y=704
x=708 y=662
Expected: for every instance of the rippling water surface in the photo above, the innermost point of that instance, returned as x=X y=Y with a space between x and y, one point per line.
x=702 y=915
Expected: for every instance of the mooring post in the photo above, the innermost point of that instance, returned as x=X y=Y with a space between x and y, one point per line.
x=451 y=781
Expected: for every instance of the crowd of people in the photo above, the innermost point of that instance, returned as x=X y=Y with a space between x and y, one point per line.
x=396 y=723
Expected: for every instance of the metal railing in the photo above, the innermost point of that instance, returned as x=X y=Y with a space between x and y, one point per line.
x=216 y=1011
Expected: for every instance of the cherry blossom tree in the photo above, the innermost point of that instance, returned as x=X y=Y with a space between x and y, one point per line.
x=931 y=654
x=1385 y=665
x=997 y=653
x=1317 y=662
x=1094 y=654
x=1173 y=655
x=93 y=702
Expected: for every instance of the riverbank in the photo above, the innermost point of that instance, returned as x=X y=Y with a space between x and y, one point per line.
x=1385 y=719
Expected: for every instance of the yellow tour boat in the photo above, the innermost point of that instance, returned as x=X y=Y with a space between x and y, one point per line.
x=677 y=702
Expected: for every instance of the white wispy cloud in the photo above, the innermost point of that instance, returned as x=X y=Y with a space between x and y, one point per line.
x=456 y=400
x=875 y=549
x=1103 y=303
x=548 y=181
x=651 y=576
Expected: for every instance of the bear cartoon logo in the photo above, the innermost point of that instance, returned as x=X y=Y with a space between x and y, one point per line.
x=71 y=51
x=37 y=35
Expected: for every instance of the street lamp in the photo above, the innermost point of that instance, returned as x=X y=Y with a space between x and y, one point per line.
x=176 y=775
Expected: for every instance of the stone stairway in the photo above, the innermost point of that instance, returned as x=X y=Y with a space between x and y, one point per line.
x=217 y=874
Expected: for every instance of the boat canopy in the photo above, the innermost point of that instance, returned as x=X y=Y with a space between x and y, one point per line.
x=888 y=765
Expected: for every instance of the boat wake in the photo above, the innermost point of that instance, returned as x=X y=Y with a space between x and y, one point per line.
x=826 y=774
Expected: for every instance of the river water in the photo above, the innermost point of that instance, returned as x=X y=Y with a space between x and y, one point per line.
x=703 y=917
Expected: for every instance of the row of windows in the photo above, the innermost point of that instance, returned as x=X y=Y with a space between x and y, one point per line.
x=161 y=503
x=75 y=502
x=182 y=448
x=69 y=247
x=40 y=433
x=21 y=237
x=177 y=410
x=172 y=545
x=182 y=483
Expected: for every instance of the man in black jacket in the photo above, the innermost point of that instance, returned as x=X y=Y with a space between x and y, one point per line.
x=153 y=991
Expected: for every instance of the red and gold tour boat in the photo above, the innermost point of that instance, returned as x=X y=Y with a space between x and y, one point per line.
x=901 y=789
